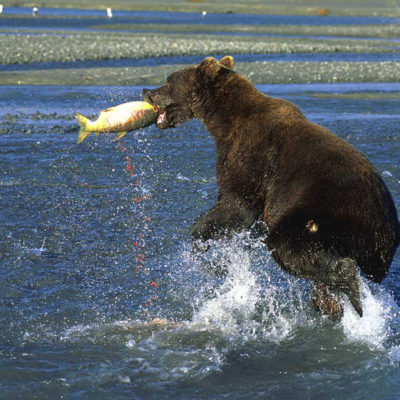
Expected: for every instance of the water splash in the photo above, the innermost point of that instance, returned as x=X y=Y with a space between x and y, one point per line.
x=234 y=302
x=255 y=312
x=41 y=249
x=379 y=313
x=257 y=300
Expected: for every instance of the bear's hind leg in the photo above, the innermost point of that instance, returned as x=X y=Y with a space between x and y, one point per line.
x=301 y=253
x=336 y=276
x=327 y=302
x=343 y=276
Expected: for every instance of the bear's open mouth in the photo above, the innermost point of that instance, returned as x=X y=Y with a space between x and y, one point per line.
x=162 y=117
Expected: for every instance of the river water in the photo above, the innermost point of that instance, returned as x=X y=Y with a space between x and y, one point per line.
x=101 y=298
x=73 y=18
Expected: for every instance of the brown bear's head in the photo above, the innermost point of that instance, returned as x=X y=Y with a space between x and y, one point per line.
x=174 y=100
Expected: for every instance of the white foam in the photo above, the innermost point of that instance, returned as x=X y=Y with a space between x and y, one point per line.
x=374 y=326
x=182 y=177
x=124 y=379
x=235 y=300
x=74 y=333
x=256 y=301
x=263 y=302
x=250 y=304
x=284 y=309
x=387 y=173
x=394 y=354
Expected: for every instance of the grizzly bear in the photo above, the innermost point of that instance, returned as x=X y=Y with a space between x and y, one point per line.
x=326 y=211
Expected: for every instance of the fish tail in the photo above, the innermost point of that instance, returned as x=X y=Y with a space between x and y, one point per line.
x=84 y=127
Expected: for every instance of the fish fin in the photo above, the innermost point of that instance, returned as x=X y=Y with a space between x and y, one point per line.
x=84 y=129
x=120 y=135
x=106 y=111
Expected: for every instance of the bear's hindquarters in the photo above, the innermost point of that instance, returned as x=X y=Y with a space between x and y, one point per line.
x=332 y=273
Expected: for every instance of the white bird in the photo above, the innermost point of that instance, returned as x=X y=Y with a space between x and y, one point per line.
x=204 y=13
x=1 y=8
x=35 y=11
x=109 y=12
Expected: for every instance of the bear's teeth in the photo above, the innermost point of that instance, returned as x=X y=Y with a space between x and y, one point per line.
x=162 y=117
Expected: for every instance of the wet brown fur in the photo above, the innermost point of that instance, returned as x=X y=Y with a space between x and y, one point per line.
x=275 y=166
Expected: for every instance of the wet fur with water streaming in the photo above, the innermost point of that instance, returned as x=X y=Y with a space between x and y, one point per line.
x=326 y=210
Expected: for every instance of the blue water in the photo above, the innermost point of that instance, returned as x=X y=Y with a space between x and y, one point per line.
x=78 y=19
x=90 y=255
x=163 y=17
x=176 y=60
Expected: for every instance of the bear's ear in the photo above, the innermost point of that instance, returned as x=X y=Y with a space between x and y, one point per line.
x=227 y=62
x=209 y=68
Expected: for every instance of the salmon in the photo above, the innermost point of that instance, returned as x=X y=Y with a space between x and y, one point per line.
x=120 y=119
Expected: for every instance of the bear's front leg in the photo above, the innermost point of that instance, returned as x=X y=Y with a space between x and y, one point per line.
x=222 y=220
x=327 y=302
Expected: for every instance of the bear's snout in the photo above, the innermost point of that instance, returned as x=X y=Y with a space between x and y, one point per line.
x=148 y=95
x=156 y=97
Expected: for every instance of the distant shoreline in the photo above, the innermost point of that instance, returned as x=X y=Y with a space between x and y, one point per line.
x=283 y=7
x=257 y=72
x=100 y=41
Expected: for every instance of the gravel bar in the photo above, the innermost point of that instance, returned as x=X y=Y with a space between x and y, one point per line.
x=257 y=72
x=91 y=46
x=355 y=31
